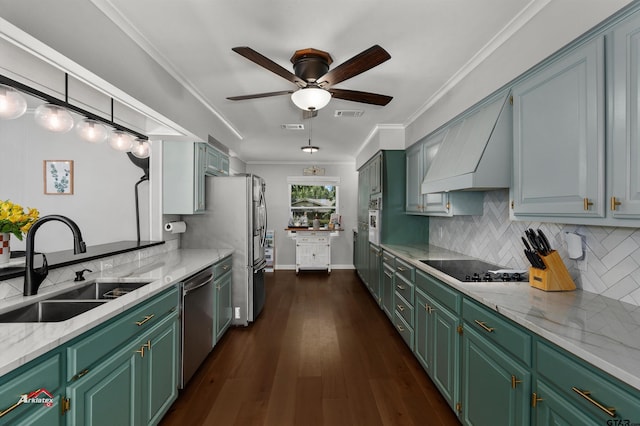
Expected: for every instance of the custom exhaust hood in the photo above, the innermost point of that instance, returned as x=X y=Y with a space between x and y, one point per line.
x=476 y=153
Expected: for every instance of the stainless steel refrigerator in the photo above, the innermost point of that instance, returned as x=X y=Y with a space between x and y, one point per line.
x=235 y=217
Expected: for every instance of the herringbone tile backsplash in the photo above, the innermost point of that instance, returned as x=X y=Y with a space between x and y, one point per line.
x=611 y=266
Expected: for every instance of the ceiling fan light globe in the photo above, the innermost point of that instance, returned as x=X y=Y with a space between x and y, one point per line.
x=311 y=98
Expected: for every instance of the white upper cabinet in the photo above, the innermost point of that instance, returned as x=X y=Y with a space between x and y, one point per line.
x=559 y=137
x=624 y=147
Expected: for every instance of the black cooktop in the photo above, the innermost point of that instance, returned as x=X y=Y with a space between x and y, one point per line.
x=471 y=270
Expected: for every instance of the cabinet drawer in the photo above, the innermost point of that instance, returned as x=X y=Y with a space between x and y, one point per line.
x=404 y=309
x=585 y=386
x=404 y=288
x=389 y=259
x=108 y=338
x=312 y=239
x=405 y=270
x=439 y=291
x=499 y=330
x=222 y=267
x=405 y=330
x=42 y=373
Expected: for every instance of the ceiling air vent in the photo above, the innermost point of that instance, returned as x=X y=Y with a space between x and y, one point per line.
x=354 y=113
x=292 y=126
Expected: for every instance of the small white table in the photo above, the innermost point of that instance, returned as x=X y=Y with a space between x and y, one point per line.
x=313 y=248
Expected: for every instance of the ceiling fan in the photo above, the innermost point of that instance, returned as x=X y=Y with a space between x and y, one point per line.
x=314 y=79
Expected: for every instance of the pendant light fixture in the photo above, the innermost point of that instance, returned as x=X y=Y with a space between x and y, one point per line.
x=120 y=141
x=12 y=103
x=141 y=148
x=310 y=148
x=311 y=98
x=92 y=131
x=53 y=118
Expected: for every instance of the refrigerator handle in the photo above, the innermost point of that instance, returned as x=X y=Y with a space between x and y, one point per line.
x=263 y=231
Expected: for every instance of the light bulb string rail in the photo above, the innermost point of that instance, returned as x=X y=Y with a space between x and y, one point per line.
x=65 y=104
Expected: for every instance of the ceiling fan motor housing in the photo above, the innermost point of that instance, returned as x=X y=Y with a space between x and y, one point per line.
x=311 y=64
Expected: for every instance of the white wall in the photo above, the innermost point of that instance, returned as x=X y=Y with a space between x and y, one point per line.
x=103 y=203
x=277 y=195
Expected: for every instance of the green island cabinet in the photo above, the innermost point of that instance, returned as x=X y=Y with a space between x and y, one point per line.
x=185 y=165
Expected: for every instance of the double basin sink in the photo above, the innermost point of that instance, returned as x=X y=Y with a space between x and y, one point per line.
x=63 y=306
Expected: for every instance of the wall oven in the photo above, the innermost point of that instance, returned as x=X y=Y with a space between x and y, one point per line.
x=375 y=210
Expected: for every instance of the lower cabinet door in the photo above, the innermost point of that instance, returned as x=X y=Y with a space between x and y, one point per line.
x=109 y=393
x=552 y=409
x=387 y=291
x=423 y=350
x=496 y=390
x=160 y=372
x=223 y=311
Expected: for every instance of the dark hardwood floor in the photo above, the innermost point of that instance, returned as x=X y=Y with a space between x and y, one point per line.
x=321 y=353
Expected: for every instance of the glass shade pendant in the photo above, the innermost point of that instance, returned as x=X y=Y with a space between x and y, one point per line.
x=91 y=131
x=141 y=148
x=53 y=118
x=120 y=141
x=311 y=98
x=12 y=103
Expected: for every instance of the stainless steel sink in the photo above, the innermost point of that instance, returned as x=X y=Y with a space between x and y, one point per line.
x=73 y=302
x=49 y=311
x=100 y=291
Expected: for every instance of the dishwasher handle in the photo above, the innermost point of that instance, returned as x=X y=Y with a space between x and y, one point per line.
x=191 y=286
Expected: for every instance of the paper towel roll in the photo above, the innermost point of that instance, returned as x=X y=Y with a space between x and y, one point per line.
x=175 y=227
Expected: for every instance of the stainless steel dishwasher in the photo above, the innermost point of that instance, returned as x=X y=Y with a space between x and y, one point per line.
x=197 y=322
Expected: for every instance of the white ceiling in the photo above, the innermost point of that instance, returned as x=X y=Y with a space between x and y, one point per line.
x=433 y=45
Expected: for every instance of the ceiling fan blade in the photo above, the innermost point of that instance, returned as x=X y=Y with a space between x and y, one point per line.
x=364 y=97
x=260 y=95
x=267 y=63
x=360 y=63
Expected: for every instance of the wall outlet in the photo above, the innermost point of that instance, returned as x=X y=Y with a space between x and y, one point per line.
x=582 y=264
x=237 y=312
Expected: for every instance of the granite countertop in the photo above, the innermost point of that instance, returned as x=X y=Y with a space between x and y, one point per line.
x=23 y=342
x=604 y=332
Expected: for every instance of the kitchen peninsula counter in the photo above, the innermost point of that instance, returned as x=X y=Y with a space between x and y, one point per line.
x=23 y=342
x=602 y=331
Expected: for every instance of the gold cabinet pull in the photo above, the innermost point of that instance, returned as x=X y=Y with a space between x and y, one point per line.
x=10 y=409
x=448 y=205
x=514 y=381
x=400 y=328
x=400 y=308
x=586 y=395
x=535 y=400
x=484 y=326
x=140 y=351
x=400 y=287
x=614 y=204
x=146 y=318
x=587 y=203
x=401 y=269
x=148 y=345
x=225 y=267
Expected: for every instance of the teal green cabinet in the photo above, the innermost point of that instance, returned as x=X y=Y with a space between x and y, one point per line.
x=45 y=374
x=437 y=340
x=496 y=389
x=403 y=301
x=388 y=284
x=555 y=410
x=375 y=174
x=559 y=137
x=583 y=388
x=223 y=308
x=216 y=163
x=375 y=266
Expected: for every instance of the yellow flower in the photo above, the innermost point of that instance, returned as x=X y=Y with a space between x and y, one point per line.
x=13 y=218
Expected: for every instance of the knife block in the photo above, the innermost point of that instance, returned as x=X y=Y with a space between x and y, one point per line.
x=555 y=278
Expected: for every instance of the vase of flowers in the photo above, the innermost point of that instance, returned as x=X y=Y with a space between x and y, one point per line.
x=13 y=220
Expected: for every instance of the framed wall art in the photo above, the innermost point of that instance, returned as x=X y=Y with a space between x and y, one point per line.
x=58 y=177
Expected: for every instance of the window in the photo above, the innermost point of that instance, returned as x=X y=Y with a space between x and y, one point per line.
x=311 y=198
